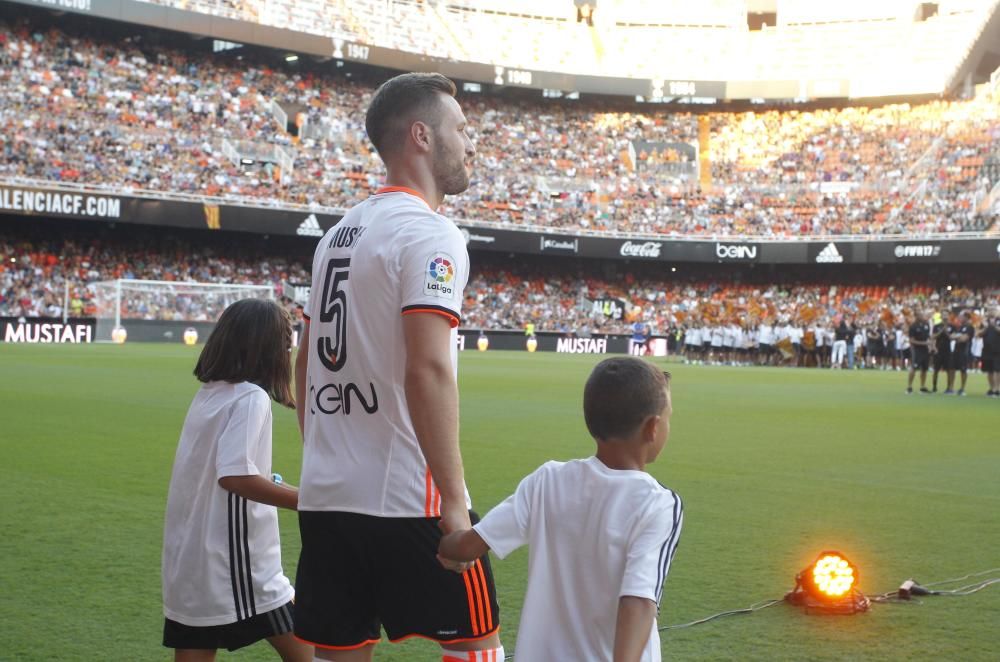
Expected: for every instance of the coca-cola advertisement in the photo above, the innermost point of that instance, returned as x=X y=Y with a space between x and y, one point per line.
x=646 y=249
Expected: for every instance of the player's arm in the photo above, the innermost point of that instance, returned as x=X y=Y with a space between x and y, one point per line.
x=503 y=529
x=432 y=400
x=465 y=546
x=301 y=363
x=261 y=490
x=634 y=623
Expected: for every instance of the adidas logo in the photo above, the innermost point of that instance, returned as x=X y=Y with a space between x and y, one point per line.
x=310 y=227
x=830 y=254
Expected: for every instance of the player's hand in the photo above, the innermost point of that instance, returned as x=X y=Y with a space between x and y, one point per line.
x=454 y=566
x=454 y=518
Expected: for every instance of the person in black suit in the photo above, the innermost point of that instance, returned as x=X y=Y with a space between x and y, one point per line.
x=920 y=343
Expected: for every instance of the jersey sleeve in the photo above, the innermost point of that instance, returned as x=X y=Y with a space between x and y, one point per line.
x=434 y=269
x=651 y=548
x=506 y=527
x=237 y=445
x=312 y=304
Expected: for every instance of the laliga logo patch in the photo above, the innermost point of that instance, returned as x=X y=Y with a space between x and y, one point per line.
x=441 y=270
x=440 y=273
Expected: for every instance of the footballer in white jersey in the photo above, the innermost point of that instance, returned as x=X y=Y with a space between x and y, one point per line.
x=390 y=256
x=377 y=394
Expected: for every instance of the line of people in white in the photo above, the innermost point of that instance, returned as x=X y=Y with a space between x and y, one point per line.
x=836 y=346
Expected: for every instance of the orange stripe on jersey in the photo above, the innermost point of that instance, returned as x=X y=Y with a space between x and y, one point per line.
x=486 y=596
x=437 y=500
x=472 y=608
x=428 y=493
x=402 y=189
x=452 y=320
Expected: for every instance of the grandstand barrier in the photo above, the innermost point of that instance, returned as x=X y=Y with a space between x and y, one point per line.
x=735 y=251
x=89 y=203
x=58 y=200
x=167 y=331
x=47 y=330
x=549 y=341
x=78 y=330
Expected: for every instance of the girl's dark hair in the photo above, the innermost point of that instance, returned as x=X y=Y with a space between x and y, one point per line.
x=251 y=342
x=620 y=394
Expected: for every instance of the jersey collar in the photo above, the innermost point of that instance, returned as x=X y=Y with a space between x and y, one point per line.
x=403 y=189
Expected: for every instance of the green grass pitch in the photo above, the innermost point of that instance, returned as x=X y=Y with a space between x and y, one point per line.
x=773 y=465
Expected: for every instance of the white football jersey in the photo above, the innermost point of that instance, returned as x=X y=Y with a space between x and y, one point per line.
x=594 y=535
x=389 y=256
x=766 y=334
x=221 y=553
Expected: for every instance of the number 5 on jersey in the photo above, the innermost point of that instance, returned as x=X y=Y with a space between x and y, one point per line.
x=332 y=349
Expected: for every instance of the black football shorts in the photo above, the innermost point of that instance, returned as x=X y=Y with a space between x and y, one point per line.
x=360 y=573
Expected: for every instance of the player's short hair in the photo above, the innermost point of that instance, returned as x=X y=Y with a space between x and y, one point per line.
x=252 y=343
x=400 y=101
x=620 y=394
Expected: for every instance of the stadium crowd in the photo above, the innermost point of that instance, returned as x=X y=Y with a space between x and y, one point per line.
x=709 y=318
x=131 y=115
x=37 y=273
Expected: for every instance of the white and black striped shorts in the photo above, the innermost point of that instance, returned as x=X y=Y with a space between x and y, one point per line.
x=230 y=636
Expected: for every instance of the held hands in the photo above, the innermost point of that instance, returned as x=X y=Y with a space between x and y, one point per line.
x=455 y=521
x=455 y=566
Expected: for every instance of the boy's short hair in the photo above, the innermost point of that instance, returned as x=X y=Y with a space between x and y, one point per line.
x=620 y=394
x=399 y=102
x=251 y=342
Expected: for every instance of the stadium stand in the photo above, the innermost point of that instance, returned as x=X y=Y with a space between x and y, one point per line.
x=37 y=263
x=40 y=263
x=877 y=45
x=75 y=108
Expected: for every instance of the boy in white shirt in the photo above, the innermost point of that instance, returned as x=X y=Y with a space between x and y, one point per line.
x=601 y=532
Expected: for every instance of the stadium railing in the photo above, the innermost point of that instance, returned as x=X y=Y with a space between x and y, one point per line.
x=239 y=201
x=266 y=203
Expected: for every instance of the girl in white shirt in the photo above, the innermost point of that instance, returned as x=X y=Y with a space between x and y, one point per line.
x=223 y=585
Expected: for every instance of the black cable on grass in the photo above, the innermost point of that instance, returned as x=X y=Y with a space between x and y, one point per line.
x=889 y=597
x=757 y=606
x=963 y=578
